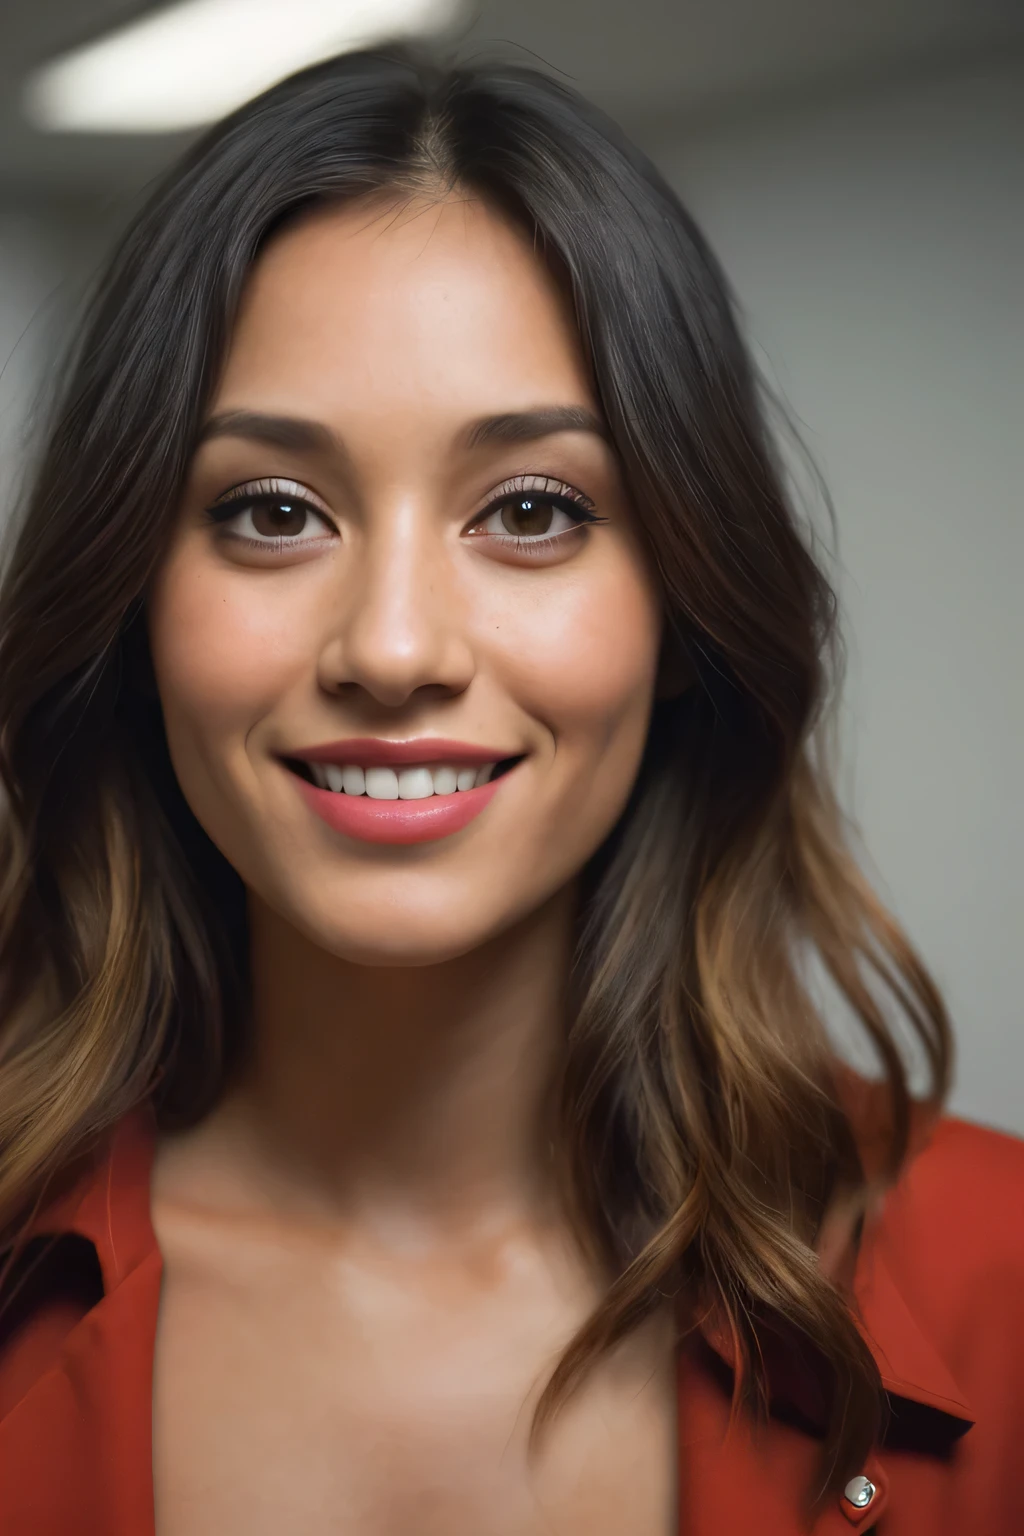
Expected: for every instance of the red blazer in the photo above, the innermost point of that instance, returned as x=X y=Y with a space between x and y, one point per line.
x=940 y=1293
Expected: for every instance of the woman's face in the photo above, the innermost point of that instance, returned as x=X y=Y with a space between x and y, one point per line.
x=404 y=566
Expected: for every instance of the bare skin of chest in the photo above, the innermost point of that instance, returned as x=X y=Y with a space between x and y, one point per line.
x=299 y=1386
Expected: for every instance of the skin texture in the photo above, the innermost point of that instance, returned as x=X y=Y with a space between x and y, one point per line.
x=367 y=1272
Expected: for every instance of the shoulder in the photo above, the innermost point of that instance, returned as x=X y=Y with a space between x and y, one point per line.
x=952 y=1234
x=89 y=1230
x=962 y=1196
x=959 y=1198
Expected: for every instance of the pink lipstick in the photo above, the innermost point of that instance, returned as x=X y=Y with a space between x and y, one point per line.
x=402 y=792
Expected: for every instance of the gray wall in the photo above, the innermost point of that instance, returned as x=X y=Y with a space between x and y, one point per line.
x=49 y=253
x=29 y=280
x=877 y=246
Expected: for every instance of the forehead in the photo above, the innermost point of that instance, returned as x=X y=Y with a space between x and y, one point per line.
x=441 y=305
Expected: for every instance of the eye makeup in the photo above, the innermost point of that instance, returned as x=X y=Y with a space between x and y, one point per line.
x=280 y=516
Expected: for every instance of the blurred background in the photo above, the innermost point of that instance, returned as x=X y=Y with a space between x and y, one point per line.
x=858 y=166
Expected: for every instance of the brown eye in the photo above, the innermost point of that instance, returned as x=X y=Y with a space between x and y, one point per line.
x=280 y=518
x=538 y=521
x=527 y=516
x=272 y=516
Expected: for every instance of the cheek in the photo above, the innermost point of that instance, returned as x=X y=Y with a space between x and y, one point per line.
x=583 y=666
x=222 y=651
x=583 y=662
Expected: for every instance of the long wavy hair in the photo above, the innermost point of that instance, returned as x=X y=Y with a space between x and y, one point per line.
x=702 y=1105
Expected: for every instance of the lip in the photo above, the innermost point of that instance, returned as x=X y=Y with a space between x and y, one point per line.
x=377 y=752
x=399 y=821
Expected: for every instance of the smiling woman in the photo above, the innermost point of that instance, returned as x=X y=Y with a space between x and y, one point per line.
x=415 y=1112
x=419 y=534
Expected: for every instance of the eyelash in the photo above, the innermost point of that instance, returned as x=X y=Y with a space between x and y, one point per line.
x=563 y=498
x=554 y=493
x=254 y=493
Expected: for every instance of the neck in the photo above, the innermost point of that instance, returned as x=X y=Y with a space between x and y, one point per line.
x=419 y=1092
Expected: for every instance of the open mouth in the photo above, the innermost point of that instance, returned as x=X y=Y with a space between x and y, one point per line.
x=397 y=802
x=414 y=781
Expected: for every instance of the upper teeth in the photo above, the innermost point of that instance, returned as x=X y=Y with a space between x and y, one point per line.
x=397 y=784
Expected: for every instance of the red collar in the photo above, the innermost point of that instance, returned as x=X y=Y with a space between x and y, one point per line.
x=90 y=1414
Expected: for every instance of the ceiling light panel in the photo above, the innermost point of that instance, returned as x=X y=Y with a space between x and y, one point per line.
x=190 y=63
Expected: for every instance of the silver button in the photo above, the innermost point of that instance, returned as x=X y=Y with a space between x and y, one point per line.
x=860 y=1491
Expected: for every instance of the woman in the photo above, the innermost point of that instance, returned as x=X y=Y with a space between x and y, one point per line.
x=416 y=1107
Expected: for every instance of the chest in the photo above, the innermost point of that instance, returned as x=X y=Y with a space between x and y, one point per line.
x=304 y=1392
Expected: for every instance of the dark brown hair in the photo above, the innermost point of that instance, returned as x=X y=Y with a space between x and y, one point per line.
x=701 y=1102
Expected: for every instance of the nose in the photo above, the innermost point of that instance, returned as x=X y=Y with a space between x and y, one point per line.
x=400 y=626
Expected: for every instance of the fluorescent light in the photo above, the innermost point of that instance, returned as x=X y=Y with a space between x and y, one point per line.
x=192 y=62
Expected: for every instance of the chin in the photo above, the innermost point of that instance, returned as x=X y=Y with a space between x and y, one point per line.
x=400 y=936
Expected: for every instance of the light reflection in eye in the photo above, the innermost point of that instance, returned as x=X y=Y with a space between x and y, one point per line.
x=531 y=515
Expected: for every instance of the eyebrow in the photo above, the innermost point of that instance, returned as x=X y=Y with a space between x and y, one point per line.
x=523 y=426
x=277 y=431
x=305 y=436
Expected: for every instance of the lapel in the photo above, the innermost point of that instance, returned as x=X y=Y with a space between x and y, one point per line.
x=76 y=1450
